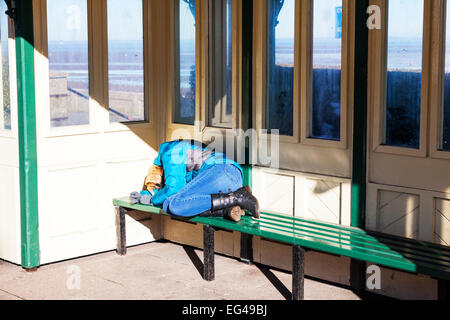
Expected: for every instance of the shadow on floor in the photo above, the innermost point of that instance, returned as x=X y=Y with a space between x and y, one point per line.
x=273 y=279
x=190 y=251
x=282 y=289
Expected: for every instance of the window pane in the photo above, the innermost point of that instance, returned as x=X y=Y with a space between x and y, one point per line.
x=184 y=112
x=68 y=62
x=220 y=56
x=281 y=66
x=126 y=61
x=5 y=121
x=327 y=57
x=446 y=111
x=404 y=73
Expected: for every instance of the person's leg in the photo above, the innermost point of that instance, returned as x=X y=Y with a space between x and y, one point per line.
x=195 y=198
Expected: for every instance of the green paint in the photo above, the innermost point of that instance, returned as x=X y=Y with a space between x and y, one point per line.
x=247 y=114
x=390 y=251
x=360 y=117
x=27 y=134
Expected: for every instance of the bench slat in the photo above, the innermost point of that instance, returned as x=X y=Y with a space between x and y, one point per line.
x=375 y=247
x=386 y=250
x=366 y=239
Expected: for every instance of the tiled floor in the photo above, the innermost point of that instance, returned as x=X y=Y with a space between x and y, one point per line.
x=156 y=271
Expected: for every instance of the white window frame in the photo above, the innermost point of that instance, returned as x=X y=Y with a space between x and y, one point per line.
x=12 y=132
x=437 y=81
x=302 y=105
x=200 y=130
x=378 y=82
x=99 y=118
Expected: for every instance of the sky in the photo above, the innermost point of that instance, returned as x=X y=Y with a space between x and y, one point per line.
x=324 y=19
x=406 y=19
x=68 y=21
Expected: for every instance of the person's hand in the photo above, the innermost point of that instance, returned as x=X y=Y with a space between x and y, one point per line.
x=143 y=197
x=135 y=197
x=146 y=198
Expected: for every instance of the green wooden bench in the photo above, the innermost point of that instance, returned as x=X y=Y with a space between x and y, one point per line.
x=385 y=250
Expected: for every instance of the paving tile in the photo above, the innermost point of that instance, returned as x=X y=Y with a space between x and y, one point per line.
x=7 y=296
x=156 y=271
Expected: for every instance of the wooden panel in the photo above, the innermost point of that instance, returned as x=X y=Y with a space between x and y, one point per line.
x=317 y=264
x=70 y=201
x=323 y=200
x=407 y=286
x=277 y=193
x=9 y=214
x=442 y=222
x=76 y=214
x=191 y=234
x=398 y=213
x=182 y=232
x=303 y=195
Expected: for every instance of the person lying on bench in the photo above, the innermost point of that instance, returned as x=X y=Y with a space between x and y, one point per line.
x=187 y=179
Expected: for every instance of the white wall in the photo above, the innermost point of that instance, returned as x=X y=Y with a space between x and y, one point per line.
x=9 y=176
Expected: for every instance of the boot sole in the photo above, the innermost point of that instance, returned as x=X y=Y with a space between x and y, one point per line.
x=236 y=214
x=258 y=215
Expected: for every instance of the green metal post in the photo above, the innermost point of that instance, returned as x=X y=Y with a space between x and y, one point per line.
x=247 y=102
x=27 y=134
x=360 y=116
x=357 y=267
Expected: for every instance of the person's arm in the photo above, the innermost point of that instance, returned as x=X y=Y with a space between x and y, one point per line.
x=174 y=175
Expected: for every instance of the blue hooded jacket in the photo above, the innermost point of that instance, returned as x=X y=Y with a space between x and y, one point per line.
x=182 y=161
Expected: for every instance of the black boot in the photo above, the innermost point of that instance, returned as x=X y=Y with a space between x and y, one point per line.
x=242 y=198
x=235 y=213
x=218 y=213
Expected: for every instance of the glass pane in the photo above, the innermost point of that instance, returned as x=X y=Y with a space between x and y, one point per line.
x=281 y=66
x=126 y=61
x=68 y=62
x=184 y=112
x=446 y=111
x=327 y=57
x=404 y=73
x=5 y=121
x=220 y=56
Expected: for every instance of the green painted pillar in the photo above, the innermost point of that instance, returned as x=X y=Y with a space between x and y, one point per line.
x=359 y=176
x=247 y=102
x=27 y=134
x=360 y=116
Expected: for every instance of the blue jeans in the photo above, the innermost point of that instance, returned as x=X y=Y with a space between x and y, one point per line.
x=195 y=197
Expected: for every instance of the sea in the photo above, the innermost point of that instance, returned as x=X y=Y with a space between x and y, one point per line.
x=125 y=60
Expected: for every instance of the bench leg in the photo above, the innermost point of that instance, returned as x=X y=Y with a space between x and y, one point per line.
x=357 y=276
x=246 y=248
x=298 y=273
x=443 y=290
x=121 y=231
x=208 y=253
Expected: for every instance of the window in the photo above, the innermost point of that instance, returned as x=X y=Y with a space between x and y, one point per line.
x=184 y=109
x=326 y=59
x=5 y=121
x=445 y=116
x=280 y=89
x=126 y=61
x=68 y=62
x=220 y=62
x=404 y=73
